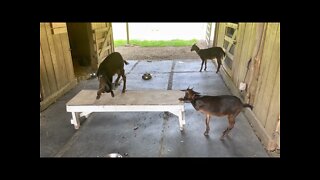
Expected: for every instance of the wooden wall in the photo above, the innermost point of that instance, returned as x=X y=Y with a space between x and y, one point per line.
x=56 y=68
x=259 y=42
x=102 y=40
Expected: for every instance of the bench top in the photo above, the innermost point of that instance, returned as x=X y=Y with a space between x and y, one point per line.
x=130 y=97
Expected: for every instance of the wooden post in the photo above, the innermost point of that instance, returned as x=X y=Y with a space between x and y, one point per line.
x=208 y=34
x=127 y=25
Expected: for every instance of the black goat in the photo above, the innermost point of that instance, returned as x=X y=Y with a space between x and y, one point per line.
x=111 y=65
x=215 y=105
x=210 y=53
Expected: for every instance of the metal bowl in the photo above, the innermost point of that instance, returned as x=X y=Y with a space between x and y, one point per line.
x=114 y=155
x=146 y=76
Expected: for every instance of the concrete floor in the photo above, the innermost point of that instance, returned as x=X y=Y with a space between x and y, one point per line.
x=149 y=134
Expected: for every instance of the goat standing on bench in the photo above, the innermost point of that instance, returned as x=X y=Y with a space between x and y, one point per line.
x=215 y=105
x=111 y=65
x=210 y=53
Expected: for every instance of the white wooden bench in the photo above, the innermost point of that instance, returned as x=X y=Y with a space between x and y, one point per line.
x=84 y=103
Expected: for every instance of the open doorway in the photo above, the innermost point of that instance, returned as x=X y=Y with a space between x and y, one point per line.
x=166 y=33
x=82 y=50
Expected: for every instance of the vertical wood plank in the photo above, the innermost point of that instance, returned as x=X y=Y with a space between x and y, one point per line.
x=47 y=58
x=63 y=77
x=274 y=86
x=216 y=34
x=221 y=35
x=244 y=63
x=112 y=42
x=67 y=56
x=53 y=56
x=244 y=54
x=256 y=64
x=45 y=87
x=238 y=50
x=262 y=101
x=274 y=109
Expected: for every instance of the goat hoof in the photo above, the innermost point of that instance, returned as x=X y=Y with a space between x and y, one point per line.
x=206 y=134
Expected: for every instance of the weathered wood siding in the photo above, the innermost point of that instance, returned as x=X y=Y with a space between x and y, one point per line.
x=259 y=42
x=103 y=40
x=56 y=69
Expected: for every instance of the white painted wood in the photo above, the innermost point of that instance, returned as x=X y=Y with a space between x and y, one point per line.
x=86 y=114
x=75 y=120
x=130 y=101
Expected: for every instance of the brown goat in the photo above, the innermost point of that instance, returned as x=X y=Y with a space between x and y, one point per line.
x=111 y=65
x=215 y=105
x=210 y=53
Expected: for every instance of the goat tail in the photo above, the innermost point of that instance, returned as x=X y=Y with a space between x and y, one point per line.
x=248 y=105
x=126 y=62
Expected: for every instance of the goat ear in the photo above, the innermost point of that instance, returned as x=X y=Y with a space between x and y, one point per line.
x=183 y=90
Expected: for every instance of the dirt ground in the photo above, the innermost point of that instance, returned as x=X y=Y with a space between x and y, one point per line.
x=158 y=53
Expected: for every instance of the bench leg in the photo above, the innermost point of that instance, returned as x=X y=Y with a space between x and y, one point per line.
x=85 y=114
x=75 y=119
x=181 y=116
x=182 y=120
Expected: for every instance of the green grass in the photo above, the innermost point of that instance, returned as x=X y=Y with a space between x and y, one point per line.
x=156 y=43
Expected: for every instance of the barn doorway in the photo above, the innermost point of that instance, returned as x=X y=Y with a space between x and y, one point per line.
x=82 y=50
x=165 y=32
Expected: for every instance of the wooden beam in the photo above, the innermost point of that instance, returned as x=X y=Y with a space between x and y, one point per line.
x=58 y=25
x=232 y=40
x=59 y=30
x=101 y=30
x=229 y=39
x=106 y=48
x=229 y=55
x=232 y=25
x=127 y=28
x=105 y=41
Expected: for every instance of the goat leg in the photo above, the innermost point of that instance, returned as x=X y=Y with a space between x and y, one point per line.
x=116 y=83
x=124 y=81
x=206 y=133
x=219 y=64
x=99 y=92
x=201 y=65
x=231 y=125
x=205 y=65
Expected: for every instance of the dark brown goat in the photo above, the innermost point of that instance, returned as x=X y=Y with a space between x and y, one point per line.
x=111 y=65
x=210 y=53
x=215 y=105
